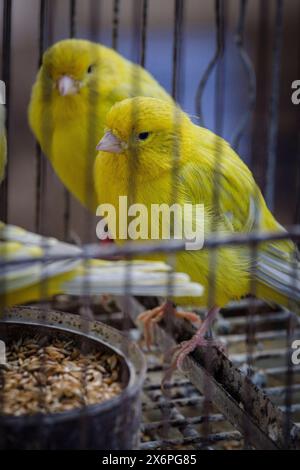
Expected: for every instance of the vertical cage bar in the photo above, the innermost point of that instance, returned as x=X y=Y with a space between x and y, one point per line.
x=5 y=76
x=137 y=45
x=274 y=105
x=297 y=208
x=41 y=178
x=142 y=60
x=115 y=24
x=210 y=67
x=67 y=196
x=73 y=11
x=177 y=50
x=218 y=63
x=95 y=11
x=292 y=322
x=259 y=124
x=290 y=336
x=86 y=307
x=249 y=71
x=41 y=174
x=253 y=248
x=140 y=29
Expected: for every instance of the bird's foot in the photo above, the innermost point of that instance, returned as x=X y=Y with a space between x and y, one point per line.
x=181 y=351
x=150 y=317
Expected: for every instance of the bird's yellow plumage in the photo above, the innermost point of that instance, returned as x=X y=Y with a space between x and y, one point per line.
x=149 y=169
x=76 y=86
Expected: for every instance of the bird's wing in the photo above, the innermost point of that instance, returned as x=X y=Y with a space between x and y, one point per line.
x=278 y=275
x=22 y=250
x=241 y=204
x=145 y=278
x=232 y=193
x=33 y=258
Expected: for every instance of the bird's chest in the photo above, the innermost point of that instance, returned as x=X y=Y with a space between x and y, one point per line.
x=72 y=153
x=135 y=205
x=114 y=186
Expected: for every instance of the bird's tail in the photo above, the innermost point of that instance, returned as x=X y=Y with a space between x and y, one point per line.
x=278 y=274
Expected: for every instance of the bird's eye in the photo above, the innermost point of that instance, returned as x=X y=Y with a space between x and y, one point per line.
x=143 y=135
x=90 y=69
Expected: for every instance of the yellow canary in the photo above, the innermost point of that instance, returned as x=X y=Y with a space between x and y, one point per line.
x=144 y=138
x=76 y=86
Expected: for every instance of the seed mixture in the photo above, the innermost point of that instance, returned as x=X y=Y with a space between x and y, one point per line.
x=53 y=375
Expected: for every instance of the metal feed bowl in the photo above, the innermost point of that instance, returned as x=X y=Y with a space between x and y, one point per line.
x=113 y=424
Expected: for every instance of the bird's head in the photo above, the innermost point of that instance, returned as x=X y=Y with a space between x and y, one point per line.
x=151 y=132
x=69 y=66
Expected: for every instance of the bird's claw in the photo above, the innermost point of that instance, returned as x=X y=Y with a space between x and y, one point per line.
x=150 y=317
x=181 y=351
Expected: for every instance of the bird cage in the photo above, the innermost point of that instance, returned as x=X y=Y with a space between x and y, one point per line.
x=223 y=62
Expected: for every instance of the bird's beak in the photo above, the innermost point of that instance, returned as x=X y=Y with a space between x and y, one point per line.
x=67 y=86
x=110 y=143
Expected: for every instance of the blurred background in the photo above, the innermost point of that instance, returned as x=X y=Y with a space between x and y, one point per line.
x=94 y=19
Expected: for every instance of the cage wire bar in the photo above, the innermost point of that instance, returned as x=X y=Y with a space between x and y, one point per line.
x=212 y=64
x=115 y=24
x=220 y=77
x=41 y=168
x=296 y=219
x=5 y=76
x=139 y=24
x=203 y=369
x=95 y=17
x=274 y=105
x=139 y=18
x=45 y=33
x=253 y=247
x=67 y=196
x=249 y=72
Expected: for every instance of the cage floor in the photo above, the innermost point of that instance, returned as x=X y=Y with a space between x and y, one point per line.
x=184 y=420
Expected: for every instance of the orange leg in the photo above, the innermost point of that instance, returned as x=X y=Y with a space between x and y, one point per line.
x=150 y=317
